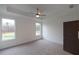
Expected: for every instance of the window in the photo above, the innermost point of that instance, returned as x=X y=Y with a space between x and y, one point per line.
x=8 y=29
x=38 y=29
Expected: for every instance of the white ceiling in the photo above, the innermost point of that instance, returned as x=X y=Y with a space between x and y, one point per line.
x=48 y=9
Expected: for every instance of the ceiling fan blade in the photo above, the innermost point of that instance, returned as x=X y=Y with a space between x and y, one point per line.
x=42 y=15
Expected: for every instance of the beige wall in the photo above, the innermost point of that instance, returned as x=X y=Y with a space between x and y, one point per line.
x=53 y=24
x=25 y=29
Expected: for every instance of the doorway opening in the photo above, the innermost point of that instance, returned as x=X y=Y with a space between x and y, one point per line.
x=38 y=30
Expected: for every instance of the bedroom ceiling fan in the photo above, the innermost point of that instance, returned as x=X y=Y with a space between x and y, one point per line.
x=38 y=13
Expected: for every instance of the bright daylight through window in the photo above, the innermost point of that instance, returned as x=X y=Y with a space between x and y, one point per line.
x=8 y=29
x=38 y=29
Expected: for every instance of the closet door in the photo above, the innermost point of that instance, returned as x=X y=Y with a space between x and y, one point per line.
x=78 y=39
x=71 y=36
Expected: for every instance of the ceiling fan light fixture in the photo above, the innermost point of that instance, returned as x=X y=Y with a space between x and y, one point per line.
x=37 y=16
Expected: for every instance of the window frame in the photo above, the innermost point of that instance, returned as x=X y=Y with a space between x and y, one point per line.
x=14 y=28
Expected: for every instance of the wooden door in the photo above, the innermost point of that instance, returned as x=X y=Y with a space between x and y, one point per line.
x=71 y=37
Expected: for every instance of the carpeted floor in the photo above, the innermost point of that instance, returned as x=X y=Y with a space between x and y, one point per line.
x=39 y=47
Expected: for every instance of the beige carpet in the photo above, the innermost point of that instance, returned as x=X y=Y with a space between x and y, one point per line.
x=39 y=47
